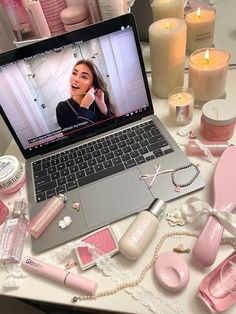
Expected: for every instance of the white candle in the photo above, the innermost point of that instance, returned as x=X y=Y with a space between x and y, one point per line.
x=167 y=39
x=208 y=73
x=200 y=28
x=181 y=102
x=162 y=9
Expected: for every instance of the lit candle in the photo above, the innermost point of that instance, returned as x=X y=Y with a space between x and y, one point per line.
x=208 y=73
x=181 y=102
x=200 y=28
x=162 y=9
x=167 y=39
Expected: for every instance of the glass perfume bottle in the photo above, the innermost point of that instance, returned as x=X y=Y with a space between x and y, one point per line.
x=13 y=235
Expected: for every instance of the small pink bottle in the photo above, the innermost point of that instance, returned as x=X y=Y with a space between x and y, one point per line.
x=13 y=235
x=218 y=289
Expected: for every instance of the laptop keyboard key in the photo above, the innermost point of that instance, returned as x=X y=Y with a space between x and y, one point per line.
x=102 y=174
x=71 y=185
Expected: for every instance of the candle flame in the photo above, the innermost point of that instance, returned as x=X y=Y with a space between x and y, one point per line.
x=179 y=96
x=207 y=56
x=167 y=25
x=198 y=12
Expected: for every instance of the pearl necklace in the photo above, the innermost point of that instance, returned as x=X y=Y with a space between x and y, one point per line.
x=131 y=284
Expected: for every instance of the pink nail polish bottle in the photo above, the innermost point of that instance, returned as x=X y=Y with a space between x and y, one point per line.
x=218 y=289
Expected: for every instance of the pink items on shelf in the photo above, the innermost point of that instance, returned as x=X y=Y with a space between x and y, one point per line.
x=74 y=17
x=4 y=211
x=218 y=289
x=52 y=10
x=18 y=19
x=206 y=248
x=12 y=174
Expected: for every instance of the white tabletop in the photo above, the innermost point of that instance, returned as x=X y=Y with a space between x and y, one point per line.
x=37 y=288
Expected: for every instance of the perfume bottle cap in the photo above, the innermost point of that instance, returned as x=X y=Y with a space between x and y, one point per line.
x=20 y=207
x=157 y=208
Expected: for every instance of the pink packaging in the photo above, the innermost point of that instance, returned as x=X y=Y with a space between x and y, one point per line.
x=59 y=275
x=218 y=289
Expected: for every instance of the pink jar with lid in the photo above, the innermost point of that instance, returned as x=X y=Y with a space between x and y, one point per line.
x=74 y=17
x=218 y=120
x=12 y=174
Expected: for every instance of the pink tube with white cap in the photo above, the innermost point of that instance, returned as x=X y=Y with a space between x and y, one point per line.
x=59 y=275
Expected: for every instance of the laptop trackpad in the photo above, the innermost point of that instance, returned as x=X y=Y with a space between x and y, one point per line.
x=115 y=197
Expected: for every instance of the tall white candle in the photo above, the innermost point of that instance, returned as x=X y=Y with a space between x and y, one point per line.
x=167 y=39
x=200 y=28
x=208 y=73
x=162 y=9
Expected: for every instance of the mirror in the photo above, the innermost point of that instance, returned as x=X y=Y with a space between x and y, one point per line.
x=225 y=27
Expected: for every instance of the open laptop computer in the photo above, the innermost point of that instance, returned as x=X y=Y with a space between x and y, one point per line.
x=98 y=165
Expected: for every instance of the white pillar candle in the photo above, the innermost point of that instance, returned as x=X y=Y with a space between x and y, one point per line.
x=207 y=73
x=200 y=28
x=162 y=9
x=167 y=39
x=181 y=102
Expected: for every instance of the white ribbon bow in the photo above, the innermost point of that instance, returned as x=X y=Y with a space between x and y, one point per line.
x=194 y=210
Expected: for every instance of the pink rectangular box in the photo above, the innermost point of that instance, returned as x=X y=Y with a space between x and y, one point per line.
x=103 y=239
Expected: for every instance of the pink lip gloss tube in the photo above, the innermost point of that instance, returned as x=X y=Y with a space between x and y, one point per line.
x=59 y=275
x=196 y=148
x=46 y=215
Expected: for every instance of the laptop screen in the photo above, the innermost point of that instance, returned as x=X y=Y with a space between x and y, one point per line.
x=68 y=87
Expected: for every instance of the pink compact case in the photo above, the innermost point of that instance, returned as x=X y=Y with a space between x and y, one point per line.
x=103 y=239
x=171 y=271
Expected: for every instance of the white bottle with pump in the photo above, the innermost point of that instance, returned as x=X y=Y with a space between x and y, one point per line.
x=140 y=233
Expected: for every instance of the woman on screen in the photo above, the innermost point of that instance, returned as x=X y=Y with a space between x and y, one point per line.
x=89 y=102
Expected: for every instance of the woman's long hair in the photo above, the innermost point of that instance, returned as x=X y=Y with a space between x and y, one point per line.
x=98 y=81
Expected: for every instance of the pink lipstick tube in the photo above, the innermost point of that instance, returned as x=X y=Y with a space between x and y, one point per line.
x=59 y=275
x=46 y=215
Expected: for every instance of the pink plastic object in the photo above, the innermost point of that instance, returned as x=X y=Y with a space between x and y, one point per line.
x=59 y=275
x=218 y=288
x=216 y=148
x=4 y=211
x=171 y=271
x=206 y=248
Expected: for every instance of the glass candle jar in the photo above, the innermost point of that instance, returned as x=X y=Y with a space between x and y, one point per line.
x=217 y=120
x=181 y=101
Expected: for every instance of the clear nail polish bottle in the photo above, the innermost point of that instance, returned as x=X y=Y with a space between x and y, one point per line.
x=13 y=235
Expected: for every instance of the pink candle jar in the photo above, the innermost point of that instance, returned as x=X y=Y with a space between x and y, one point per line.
x=12 y=174
x=4 y=211
x=217 y=120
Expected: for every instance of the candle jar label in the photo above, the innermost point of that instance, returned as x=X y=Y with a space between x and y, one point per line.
x=182 y=113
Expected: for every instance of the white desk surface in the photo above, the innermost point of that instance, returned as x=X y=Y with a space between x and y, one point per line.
x=39 y=289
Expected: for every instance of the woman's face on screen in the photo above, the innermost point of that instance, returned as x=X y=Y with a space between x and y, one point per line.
x=81 y=80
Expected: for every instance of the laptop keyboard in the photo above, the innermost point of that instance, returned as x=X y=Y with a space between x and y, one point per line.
x=98 y=159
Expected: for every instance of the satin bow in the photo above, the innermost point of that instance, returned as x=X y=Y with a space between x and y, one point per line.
x=195 y=210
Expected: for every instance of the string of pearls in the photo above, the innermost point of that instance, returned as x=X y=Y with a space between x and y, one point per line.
x=134 y=283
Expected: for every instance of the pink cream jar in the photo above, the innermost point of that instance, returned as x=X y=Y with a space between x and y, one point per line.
x=217 y=120
x=74 y=17
x=12 y=174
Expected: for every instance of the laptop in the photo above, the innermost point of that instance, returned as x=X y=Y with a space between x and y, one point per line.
x=99 y=165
